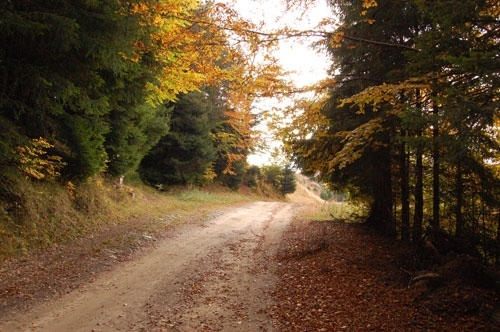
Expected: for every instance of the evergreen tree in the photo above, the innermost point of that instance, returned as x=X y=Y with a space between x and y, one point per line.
x=64 y=68
x=187 y=153
x=253 y=176
x=233 y=179
x=288 y=182
x=367 y=50
x=134 y=133
x=416 y=96
x=457 y=56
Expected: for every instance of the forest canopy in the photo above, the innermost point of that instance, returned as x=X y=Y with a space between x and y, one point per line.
x=409 y=122
x=99 y=81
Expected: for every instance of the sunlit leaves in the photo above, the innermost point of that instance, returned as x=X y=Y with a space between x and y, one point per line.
x=336 y=39
x=367 y=4
x=355 y=143
x=381 y=95
x=34 y=161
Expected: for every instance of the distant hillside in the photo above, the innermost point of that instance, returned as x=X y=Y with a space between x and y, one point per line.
x=308 y=191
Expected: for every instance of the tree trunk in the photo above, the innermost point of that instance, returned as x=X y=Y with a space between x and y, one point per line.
x=405 y=192
x=418 y=217
x=459 y=227
x=381 y=209
x=498 y=241
x=436 y=199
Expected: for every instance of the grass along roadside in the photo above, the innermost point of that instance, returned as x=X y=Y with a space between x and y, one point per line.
x=332 y=210
x=48 y=214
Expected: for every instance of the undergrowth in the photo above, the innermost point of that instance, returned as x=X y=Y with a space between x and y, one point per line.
x=198 y=195
x=339 y=211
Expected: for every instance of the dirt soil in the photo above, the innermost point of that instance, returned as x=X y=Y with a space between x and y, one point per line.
x=249 y=268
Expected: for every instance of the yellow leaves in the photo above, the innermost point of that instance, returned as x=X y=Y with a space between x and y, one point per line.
x=209 y=45
x=384 y=94
x=355 y=143
x=367 y=4
x=177 y=45
x=209 y=174
x=336 y=39
x=198 y=47
x=71 y=190
x=34 y=161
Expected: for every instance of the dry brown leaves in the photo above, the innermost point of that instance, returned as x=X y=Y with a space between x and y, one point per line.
x=342 y=277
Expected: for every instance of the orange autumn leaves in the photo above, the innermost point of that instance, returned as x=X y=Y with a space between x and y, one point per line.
x=197 y=45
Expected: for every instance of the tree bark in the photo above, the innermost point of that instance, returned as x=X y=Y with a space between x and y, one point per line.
x=381 y=216
x=498 y=241
x=418 y=217
x=459 y=227
x=436 y=171
x=405 y=192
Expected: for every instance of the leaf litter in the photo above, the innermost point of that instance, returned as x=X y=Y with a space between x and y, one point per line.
x=337 y=276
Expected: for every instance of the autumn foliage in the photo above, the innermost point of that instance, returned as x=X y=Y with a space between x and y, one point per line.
x=407 y=122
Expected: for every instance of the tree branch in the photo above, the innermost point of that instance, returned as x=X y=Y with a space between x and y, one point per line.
x=375 y=42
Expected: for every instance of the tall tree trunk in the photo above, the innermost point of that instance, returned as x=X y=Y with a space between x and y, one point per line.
x=436 y=197
x=405 y=192
x=418 y=216
x=498 y=241
x=459 y=227
x=381 y=216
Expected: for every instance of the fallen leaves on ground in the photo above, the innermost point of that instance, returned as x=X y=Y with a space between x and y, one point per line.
x=331 y=277
x=342 y=277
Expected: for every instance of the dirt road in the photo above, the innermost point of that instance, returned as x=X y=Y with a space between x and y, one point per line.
x=210 y=277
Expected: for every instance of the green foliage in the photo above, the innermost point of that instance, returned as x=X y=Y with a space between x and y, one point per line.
x=282 y=179
x=86 y=137
x=59 y=63
x=234 y=179
x=76 y=72
x=352 y=152
x=253 y=176
x=325 y=194
x=288 y=183
x=133 y=134
x=273 y=174
x=185 y=156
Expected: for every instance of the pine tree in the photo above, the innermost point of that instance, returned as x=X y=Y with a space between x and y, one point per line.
x=456 y=56
x=64 y=68
x=186 y=155
x=288 y=182
x=367 y=50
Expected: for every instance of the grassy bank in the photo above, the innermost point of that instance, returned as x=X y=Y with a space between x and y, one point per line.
x=48 y=214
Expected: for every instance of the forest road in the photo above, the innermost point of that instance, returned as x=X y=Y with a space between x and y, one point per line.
x=214 y=276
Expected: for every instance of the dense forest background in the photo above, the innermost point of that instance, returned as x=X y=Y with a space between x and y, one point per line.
x=162 y=91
